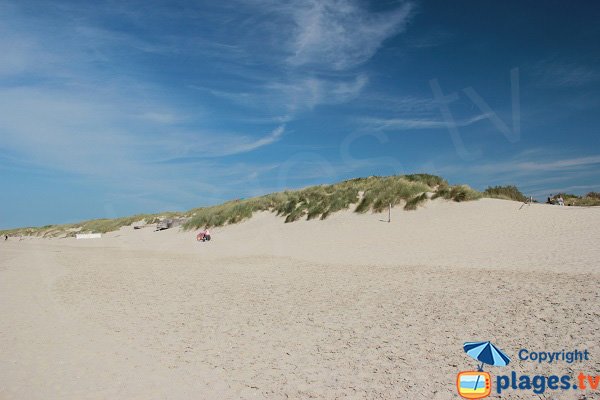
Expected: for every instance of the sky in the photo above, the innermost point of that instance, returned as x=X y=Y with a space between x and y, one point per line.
x=112 y=108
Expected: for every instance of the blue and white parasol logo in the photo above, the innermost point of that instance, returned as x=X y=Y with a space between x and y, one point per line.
x=486 y=353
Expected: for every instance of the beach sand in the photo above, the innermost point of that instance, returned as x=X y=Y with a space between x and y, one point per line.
x=350 y=307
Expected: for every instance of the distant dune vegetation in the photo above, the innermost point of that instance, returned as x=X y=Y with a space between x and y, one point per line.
x=374 y=194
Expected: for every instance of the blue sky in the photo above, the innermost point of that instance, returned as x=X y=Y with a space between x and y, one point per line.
x=110 y=108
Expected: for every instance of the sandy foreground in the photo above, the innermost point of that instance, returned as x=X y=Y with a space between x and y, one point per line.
x=351 y=307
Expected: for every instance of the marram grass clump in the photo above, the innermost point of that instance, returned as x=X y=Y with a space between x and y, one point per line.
x=416 y=201
x=457 y=193
x=509 y=192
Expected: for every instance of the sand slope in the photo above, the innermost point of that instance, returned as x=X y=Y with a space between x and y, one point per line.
x=348 y=307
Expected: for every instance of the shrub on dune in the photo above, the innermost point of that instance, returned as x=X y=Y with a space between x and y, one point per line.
x=510 y=192
x=591 y=199
x=415 y=202
x=457 y=193
x=463 y=193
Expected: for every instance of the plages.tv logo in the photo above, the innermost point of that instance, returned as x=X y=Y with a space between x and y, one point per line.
x=478 y=384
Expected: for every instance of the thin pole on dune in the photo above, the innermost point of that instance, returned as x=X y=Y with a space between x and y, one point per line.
x=390 y=213
x=528 y=202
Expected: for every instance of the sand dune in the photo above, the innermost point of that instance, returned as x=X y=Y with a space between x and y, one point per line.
x=347 y=307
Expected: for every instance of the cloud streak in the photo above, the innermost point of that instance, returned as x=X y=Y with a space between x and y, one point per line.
x=415 y=124
x=564 y=74
x=71 y=100
x=215 y=145
x=541 y=166
x=323 y=45
x=340 y=34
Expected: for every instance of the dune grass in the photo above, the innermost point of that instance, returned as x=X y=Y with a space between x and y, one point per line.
x=509 y=192
x=105 y=225
x=591 y=199
x=457 y=193
x=374 y=193
x=102 y=225
x=414 y=202
x=362 y=195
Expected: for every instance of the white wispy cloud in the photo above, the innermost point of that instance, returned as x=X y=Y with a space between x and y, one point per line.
x=529 y=163
x=100 y=38
x=307 y=93
x=332 y=36
x=411 y=124
x=78 y=94
x=75 y=107
x=560 y=73
x=228 y=145
x=340 y=34
x=536 y=172
x=286 y=98
x=104 y=135
x=272 y=137
x=541 y=165
x=101 y=142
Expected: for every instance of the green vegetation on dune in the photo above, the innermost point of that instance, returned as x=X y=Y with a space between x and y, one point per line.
x=457 y=193
x=373 y=193
x=102 y=225
x=415 y=201
x=361 y=195
x=379 y=194
x=505 y=192
x=108 y=225
x=593 y=195
x=318 y=202
x=589 y=200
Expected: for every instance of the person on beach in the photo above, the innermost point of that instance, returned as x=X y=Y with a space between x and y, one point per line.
x=203 y=236
x=561 y=201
